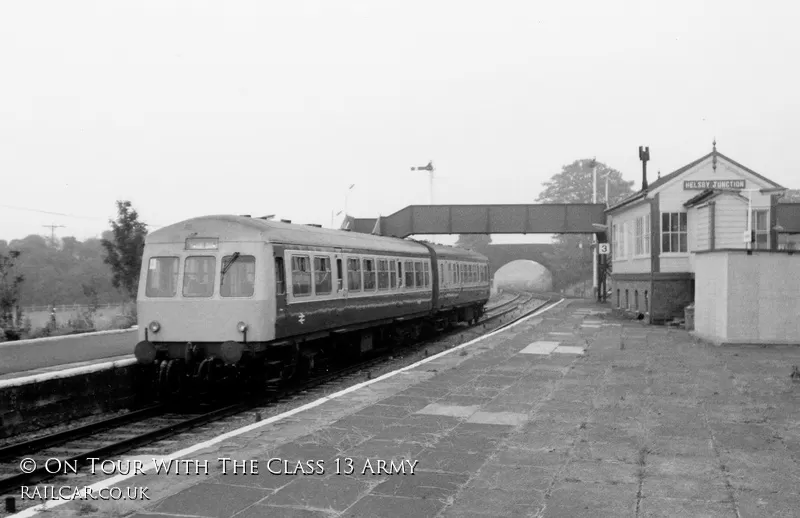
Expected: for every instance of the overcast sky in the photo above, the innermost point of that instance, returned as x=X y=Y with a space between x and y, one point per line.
x=264 y=107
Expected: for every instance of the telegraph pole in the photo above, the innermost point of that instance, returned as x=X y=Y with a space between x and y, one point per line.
x=53 y=231
x=430 y=170
x=595 y=292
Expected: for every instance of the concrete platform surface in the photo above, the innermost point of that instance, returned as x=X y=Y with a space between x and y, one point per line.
x=572 y=413
x=28 y=355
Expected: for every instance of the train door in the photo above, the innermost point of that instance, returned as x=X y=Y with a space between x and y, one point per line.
x=280 y=292
x=338 y=259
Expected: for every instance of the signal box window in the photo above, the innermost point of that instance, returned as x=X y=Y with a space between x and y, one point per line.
x=353 y=274
x=301 y=276
x=198 y=276
x=322 y=275
x=383 y=274
x=369 y=274
x=238 y=276
x=673 y=232
x=280 y=277
x=409 y=268
x=162 y=277
x=392 y=275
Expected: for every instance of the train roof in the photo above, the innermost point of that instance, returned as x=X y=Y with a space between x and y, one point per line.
x=243 y=228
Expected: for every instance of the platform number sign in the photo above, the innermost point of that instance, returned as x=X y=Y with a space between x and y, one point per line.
x=603 y=248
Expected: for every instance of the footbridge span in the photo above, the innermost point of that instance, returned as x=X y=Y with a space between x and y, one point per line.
x=555 y=218
x=561 y=218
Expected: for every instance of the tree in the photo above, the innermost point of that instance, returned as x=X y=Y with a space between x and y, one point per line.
x=573 y=252
x=10 y=282
x=124 y=252
x=475 y=242
x=791 y=196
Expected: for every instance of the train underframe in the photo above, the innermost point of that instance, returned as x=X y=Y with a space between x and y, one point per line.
x=189 y=370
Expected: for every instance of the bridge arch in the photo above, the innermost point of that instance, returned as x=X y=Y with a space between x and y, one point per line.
x=501 y=254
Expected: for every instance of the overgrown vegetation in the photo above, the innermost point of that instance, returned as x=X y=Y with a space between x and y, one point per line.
x=36 y=271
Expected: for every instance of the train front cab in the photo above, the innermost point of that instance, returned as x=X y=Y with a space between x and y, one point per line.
x=204 y=303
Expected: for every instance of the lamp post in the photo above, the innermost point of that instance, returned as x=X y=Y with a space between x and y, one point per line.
x=594 y=236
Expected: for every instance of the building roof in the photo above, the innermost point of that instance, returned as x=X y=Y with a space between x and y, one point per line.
x=710 y=194
x=674 y=174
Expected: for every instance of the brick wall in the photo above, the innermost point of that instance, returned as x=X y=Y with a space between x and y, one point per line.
x=671 y=293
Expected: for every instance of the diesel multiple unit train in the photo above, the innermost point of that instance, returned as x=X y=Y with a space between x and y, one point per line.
x=235 y=297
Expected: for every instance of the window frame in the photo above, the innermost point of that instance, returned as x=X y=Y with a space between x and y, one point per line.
x=372 y=274
x=758 y=233
x=408 y=272
x=177 y=275
x=307 y=256
x=213 y=277
x=667 y=234
x=329 y=271
x=382 y=273
x=638 y=236
x=280 y=275
x=255 y=276
x=354 y=259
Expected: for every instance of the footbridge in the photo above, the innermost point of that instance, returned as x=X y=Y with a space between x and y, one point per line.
x=555 y=218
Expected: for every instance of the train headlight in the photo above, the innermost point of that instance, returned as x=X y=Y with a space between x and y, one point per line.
x=154 y=326
x=242 y=327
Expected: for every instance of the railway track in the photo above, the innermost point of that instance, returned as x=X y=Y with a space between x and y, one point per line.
x=122 y=434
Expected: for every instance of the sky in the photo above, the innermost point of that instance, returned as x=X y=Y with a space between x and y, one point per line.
x=251 y=107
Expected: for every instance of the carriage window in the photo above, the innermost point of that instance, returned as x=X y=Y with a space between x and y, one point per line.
x=353 y=274
x=399 y=274
x=322 y=275
x=383 y=274
x=409 y=268
x=369 y=274
x=339 y=275
x=418 y=274
x=392 y=274
x=441 y=274
x=426 y=270
x=239 y=277
x=162 y=277
x=301 y=276
x=280 y=277
x=198 y=276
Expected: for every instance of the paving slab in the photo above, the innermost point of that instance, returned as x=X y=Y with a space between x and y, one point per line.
x=575 y=413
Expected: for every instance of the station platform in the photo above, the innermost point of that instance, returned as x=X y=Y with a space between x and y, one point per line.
x=43 y=372
x=44 y=354
x=572 y=412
